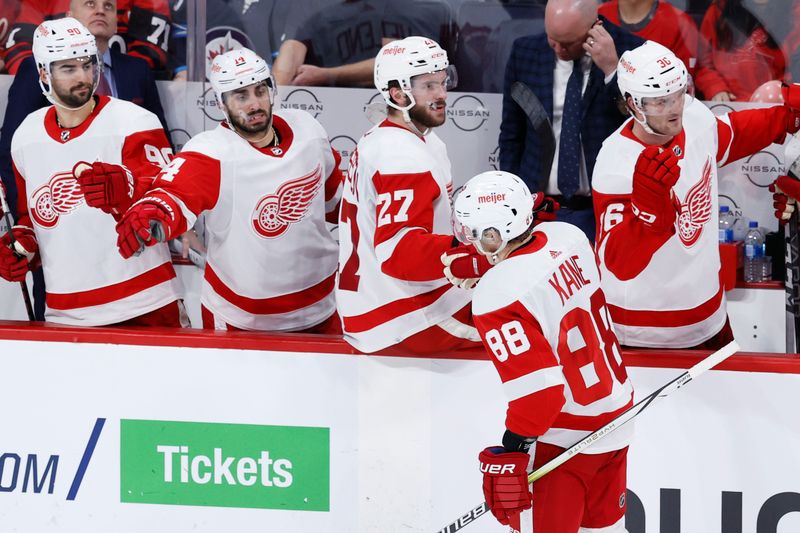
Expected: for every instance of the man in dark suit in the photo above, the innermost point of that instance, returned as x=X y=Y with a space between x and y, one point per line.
x=577 y=56
x=125 y=77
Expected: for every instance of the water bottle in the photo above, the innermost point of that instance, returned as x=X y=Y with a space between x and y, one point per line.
x=753 y=254
x=726 y=221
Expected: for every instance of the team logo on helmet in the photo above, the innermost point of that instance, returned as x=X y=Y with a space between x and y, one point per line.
x=59 y=196
x=696 y=209
x=289 y=204
x=622 y=500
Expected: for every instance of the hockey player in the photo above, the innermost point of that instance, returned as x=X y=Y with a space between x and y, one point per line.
x=542 y=315
x=655 y=193
x=265 y=183
x=395 y=218
x=87 y=282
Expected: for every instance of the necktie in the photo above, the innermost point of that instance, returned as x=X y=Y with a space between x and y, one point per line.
x=103 y=87
x=569 y=145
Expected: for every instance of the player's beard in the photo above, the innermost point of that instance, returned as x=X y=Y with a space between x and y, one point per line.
x=240 y=123
x=73 y=98
x=422 y=114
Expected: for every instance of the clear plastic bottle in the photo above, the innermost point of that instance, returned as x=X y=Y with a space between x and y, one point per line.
x=753 y=254
x=726 y=221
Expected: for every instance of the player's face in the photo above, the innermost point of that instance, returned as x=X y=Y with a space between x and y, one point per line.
x=664 y=114
x=73 y=80
x=430 y=95
x=249 y=108
x=99 y=16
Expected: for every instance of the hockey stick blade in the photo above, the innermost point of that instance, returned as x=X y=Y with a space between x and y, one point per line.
x=626 y=416
x=533 y=109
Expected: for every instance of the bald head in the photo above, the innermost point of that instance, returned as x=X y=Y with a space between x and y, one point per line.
x=566 y=23
x=99 y=17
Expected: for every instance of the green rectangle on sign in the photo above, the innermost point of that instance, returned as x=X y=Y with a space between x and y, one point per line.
x=225 y=465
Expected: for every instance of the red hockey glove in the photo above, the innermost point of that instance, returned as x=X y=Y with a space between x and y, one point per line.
x=791 y=95
x=23 y=256
x=653 y=177
x=151 y=220
x=786 y=192
x=105 y=186
x=544 y=207
x=505 y=482
x=464 y=266
x=791 y=99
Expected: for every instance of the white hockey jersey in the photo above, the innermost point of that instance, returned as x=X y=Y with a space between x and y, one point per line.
x=664 y=290
x=88 y=282
x=271 y=261
x=394 y=225
x=542 y=314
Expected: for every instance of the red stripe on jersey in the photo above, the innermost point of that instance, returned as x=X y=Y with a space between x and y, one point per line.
x=277 y=304
x=676 y=318
x=111 y=293
x=385 y=313
x=588 y=423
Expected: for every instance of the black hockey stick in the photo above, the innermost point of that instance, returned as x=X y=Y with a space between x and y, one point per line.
x=700 y=368
x=530 y=104
x=23 y=284
x=791 y=241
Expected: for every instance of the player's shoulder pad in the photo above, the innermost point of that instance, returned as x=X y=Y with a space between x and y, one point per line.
x=519 y=274
x=28 y=127
x=212 y=143
x=298 y=119
x=133 y=117
x=701 y=119
x=396 y=150
x=613 y=168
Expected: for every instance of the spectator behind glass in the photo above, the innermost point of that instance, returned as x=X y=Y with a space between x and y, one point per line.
x=337 y=44
x=736 y=52
x=9 y=10
x=658 y=21
x=545 y=63
x=142 y=27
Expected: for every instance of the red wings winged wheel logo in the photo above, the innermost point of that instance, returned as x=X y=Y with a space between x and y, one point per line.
x=289 y=204
x=696 y=210
x=59 y=196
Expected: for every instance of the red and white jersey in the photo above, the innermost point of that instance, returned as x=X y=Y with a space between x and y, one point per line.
x=88 y=282
x=271 y=261
x=394 y=224
x=664 y=290
x=542 y=314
